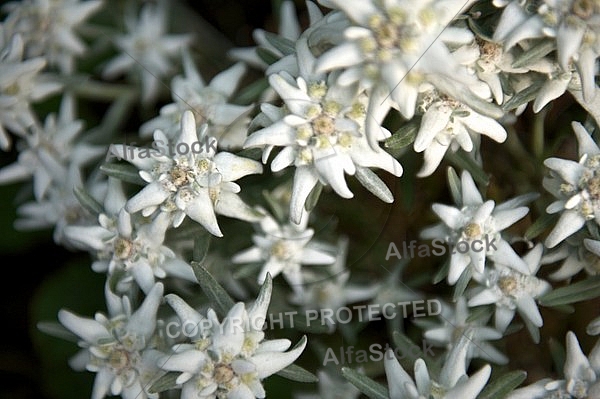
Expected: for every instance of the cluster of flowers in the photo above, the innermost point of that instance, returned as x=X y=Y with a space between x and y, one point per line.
x=449 y=71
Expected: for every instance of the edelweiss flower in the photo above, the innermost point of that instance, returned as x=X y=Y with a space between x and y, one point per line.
x=21 y=84
x=147 y=50
x=50 y=150
x=228 y=359
x=573 y=24
x=196 y=180
x=322 y=133
x=49 y=28
x=453 y=381
x=576 y=185
x=227 y=122
x=575 y=256
x=129 y=247
x=580 y=376
x=118 y=347
x=333 y=292
x=513 y=291
x=449 y=124
x=284 y=249
x=473 y=220
x=455 y=326
x=58 y=209
x=394 y=48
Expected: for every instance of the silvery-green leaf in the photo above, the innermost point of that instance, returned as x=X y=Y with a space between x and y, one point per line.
x=125 y=172
x=403 y=137
x=267 y=55
x=480 y=313
x=503 y=385
x=372 y=389
x=543 y=223
x=297 y=373
x=56 y=330
x=246 y=270
x=463 y=161
x=534 y=53
x=374 y=184
x=454 y=185
x=252 y=92
x=201 y=245
x=87 y=201
x=442 y=272
x=461 y=284
x=313 y=197
x=165 y=382
x=216 y=294
x=299 y=322
x=575 y=292
x=524 y=96
x=286 y=46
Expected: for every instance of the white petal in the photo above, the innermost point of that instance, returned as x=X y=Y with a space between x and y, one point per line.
x=200 y=209
x=570 y=171
x=587 y=145
x=470 y=388
x=151 y=195
x=528 y=308
x=305 y=180
x=270 y=363
x=89 y=330
x=570 y=222
x=143 y=320
x=470 y=194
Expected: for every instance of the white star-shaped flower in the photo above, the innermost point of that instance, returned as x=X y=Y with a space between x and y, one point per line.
x=129 y=247
x=228 y=358
x=227 y=122
x=452 y=382
x=284 y=248
x=21 y=84
x=448 y=124
x=49 y=28
x=195 y=181
x=513 y=291
x=119 y=347
x=147 y=51
x=396 y=49
x=321 y=130
x=455 y=326
x=576 y=185
x=473 y=229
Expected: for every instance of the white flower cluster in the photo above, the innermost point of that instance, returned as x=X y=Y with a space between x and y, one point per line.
x=358 y=107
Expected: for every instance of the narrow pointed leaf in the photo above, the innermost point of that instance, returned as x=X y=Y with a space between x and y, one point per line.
x=87 y=201
x=297 y=373
x=576 y=292
x=372 y=389
x=165 y=382
x=125 y=172
x=502 y=386
x=374 y=184
x=216 y=294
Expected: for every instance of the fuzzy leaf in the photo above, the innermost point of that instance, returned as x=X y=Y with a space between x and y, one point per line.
x=502 y=386
x=535 y=53
x=524 y=96
x=454 y=185
x=165 y=382
x=216 y=294
x=374 y=184
x=87 y=201
x=372 y=389
x=577 y=292
x=540 y=225
x=403 y=137
x=297 y=373
x=125 y=172
x=286 y=46
x=56 y=330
